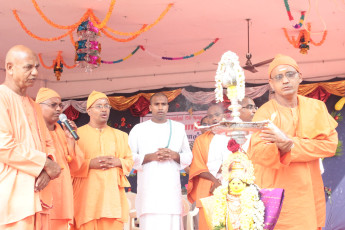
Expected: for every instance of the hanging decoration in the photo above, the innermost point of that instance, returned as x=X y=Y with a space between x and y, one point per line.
x=164 y=58
x=97 y=23
x=122 y=59
x=184 y=57
x=58 y=69
x=301 y=20
x=57 y=66
x=303 y=39
x=87 y=48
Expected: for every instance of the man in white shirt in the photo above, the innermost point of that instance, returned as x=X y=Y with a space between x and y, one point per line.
x=160 y=150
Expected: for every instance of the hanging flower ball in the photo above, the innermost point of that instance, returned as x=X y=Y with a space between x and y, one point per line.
x=116 y=125
x=233 y=146
x=336 y=118
x=58 y=69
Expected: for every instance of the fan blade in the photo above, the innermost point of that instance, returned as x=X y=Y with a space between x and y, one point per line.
x=250 y=68
x=263 y=62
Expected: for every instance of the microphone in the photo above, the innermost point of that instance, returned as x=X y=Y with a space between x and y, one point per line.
x=63 y=119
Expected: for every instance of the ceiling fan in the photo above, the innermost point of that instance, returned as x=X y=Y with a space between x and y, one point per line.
x=249 y=66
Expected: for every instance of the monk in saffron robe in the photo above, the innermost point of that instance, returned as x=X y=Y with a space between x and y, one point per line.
x=26 y=148
x=287 y=156
x=208 y=153
x=68 y=156
x=100 y=201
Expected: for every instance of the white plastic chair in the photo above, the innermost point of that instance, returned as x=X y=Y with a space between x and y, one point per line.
x=190 y=221
x=132 y=211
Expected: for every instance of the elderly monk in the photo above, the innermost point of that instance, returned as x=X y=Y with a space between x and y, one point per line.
x=287 y=156
x=209 y=151
x=26 y=148
x=68 y=156
x=99 y=186
x=160 y=149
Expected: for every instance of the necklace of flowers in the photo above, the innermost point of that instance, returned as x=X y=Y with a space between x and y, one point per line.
x=252 y=208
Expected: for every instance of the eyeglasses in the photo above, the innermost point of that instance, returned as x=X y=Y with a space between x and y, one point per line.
x=99 y=107
x=250 y=106
x=289 y=75
x=54 y=105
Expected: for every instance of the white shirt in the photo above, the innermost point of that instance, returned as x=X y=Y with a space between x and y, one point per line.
x=159 y=187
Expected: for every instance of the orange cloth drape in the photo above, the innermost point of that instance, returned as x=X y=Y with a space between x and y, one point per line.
x=122 y=103
x=336 y=88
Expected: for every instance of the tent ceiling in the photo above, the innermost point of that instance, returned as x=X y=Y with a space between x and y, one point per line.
x=188 y=27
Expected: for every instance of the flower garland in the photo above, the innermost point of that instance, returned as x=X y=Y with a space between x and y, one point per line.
x=58 y=64
x=96 y=22
x=300 y=24
x=230 y=75
x=252 y=208
x=303 y=39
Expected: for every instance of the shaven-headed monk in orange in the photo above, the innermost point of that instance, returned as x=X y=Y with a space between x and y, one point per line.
x=287 y=156
x=100 y=202
x=68 y=156
x=26 y=148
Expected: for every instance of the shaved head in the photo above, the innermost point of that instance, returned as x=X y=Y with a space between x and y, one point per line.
x=159 y=94
x=21 y=66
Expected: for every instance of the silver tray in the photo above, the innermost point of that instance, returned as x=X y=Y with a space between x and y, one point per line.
x=230 y=126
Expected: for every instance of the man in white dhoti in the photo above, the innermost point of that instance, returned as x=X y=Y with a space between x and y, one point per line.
x=160 y=150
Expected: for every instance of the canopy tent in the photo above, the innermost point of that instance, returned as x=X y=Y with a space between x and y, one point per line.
x=187 y=28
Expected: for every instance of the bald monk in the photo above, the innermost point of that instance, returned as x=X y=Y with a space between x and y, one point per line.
x=68 y=156
x=209 y=150
x=288 y=156
x=99 y=186
x=26 y=148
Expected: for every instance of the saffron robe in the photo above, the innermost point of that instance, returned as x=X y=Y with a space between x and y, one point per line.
x=312 y=129
x=62 y=186
x=204 y=151
x=101 y=193
x=25 y=144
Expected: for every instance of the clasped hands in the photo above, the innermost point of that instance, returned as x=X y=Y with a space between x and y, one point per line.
x=105 y=162
x=164 y=154
x=275 y=135
x=50 y=171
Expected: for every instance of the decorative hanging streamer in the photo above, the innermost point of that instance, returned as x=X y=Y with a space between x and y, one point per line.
x=123 y=59
x=301 y=20
x=164 y=58
x=58 y=65
x=303 y=39
x=96 y=22
x=188 y=56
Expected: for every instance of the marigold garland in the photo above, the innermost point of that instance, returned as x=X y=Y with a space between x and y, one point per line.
x=303 y=39
x=58 y=64
x=37 y=37
x=96 y=22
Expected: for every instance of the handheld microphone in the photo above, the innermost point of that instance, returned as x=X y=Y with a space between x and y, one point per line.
x=63 y=119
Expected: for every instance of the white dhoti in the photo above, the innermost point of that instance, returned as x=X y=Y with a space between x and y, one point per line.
x=160 y=222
